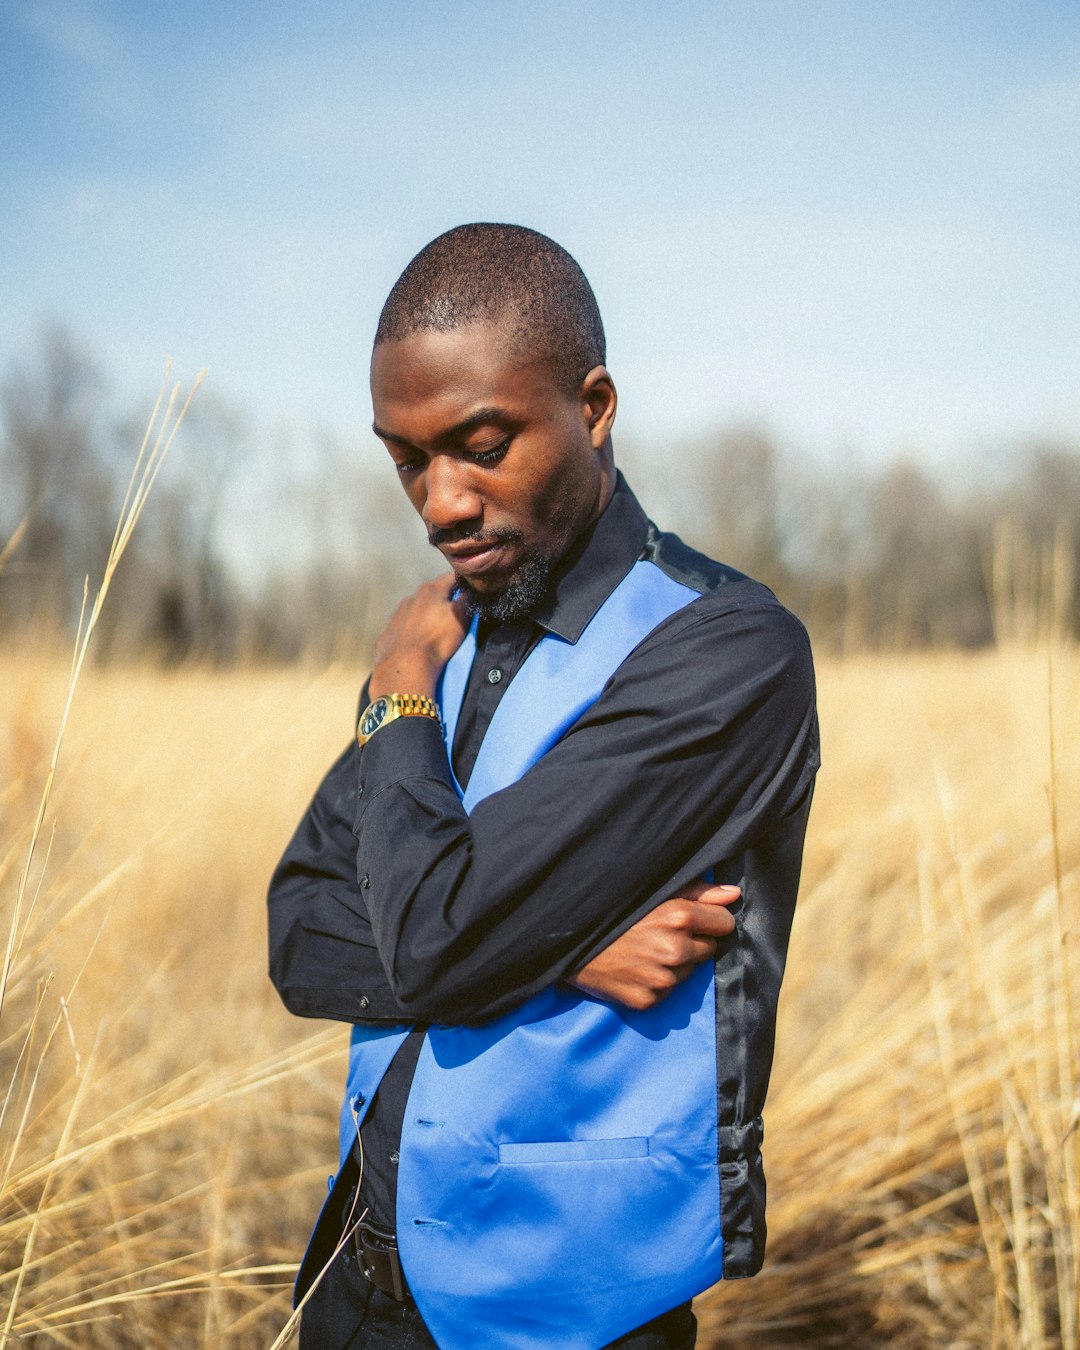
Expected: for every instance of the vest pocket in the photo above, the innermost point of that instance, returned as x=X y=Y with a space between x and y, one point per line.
x=575 y=1150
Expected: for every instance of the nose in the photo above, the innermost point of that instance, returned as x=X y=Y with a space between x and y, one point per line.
x=450 y=500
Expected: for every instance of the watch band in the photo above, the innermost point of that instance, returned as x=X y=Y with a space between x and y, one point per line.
x=388 y=708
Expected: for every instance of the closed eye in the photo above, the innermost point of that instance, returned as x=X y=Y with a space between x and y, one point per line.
x=485 y=458
x=491 y=456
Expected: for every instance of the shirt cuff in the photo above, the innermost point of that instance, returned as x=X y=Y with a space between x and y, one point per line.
x=410 y=747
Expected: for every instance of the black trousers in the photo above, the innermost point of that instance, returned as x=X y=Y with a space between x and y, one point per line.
x=346 y=1312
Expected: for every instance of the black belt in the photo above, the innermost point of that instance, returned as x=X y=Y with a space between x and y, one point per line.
x=378 y=1259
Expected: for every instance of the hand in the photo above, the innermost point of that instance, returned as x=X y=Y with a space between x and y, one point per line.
x=644 y=964
x=423 y=634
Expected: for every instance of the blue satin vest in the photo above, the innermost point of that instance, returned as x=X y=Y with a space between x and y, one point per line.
x=558 y=1181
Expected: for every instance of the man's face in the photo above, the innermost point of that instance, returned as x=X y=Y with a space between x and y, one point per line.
x=505 y=467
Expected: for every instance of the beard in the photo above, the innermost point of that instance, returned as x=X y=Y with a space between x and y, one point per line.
x=519 y=598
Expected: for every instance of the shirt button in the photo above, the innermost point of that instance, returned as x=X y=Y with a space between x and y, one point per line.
x=494 y=676
x=395 y=1156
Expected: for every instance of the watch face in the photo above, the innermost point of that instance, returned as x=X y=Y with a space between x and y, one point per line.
x=373 y=716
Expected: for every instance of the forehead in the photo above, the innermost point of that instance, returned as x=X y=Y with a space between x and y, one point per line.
x=442 y=377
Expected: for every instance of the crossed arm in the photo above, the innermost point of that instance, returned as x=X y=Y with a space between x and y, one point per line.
x=661 y=949
x=325 y=962
x=567 y=875
x=641 y=965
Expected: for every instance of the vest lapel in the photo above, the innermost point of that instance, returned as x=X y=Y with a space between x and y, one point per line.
x=559 y=680
x=451 y=692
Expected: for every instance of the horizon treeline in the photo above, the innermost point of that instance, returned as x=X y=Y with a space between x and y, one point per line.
x=301 y=547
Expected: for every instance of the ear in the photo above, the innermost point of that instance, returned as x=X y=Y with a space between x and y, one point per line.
x=599 y=402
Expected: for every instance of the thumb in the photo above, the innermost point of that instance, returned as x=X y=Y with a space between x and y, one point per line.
x=720 y=895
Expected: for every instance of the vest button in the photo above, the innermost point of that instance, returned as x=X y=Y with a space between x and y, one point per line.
x=395 y=1156
x=364 y=1001
x=494 y=676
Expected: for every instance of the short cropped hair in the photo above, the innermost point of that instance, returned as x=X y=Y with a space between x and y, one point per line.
x=489 y=273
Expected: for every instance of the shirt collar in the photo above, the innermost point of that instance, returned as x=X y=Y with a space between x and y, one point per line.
x=595 y=565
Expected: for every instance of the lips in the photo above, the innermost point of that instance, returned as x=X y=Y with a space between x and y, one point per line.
x=474 y=559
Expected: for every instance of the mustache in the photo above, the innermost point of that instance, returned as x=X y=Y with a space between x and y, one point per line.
x=484 y=538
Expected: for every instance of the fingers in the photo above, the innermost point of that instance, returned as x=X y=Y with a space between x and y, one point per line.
x=695 y=938
x=461 y=608
x=668 y=978
x=710 y=919
x=684 y=918
x=696 y=916
x=444 y=588
x=443 y=584
x=664 y=948
x=709 y=893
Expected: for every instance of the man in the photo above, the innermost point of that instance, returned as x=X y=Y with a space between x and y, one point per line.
x=552 y=882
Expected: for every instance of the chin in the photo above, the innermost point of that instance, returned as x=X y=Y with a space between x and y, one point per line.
x=486 y=586
x=516 y=597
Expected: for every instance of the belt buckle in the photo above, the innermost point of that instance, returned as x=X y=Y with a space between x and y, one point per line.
x=378 y=1259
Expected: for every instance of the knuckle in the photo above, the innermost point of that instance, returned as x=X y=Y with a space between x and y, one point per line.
x=665 y=980
x=672 y=950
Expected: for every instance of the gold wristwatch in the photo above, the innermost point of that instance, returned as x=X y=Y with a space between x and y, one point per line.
x=389 y=708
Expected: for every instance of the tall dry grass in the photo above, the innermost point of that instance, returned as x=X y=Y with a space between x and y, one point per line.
x=166 y=1127
x=922 y=1142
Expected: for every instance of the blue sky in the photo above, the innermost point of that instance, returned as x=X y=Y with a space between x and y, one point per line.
x=855 y=224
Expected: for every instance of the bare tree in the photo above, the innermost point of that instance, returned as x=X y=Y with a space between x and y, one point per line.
x=1032 y=550
x=358 y=550
x=887 y=557
x=56 y=475
x=726 y=495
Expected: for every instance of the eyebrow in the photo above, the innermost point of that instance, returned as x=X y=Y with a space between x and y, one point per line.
x=482 y=417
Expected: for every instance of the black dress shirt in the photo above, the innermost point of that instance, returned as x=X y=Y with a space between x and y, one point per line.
x=391 y=903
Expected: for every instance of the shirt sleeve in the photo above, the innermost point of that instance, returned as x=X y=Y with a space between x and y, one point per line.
x=704 y=737
x=323 y=958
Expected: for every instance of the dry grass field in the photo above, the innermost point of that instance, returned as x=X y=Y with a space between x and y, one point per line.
x=167 y=1128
